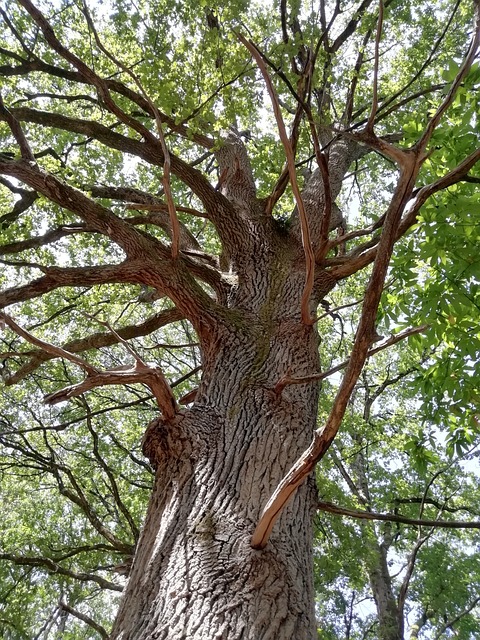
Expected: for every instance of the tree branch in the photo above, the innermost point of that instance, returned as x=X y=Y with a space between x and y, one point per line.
x=57 y=352
x=84 y=618
x=372 y=515
x=53 y=567
x=55 y=277
x=142 y=373
x=373 y=112
x=306 y=242
x=406 y=333
x=449 y=624
x=364 y=337
x=218 y=208
x=464 y=69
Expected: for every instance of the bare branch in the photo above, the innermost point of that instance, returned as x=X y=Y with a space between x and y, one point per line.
x=110 y=475
x=57 y=352
x=307 y=245
x=56 y=277
x=351 y=26
x=53 y=567
x=390 y=517
x=84 y=618
x=373 y=112
x=287 y=380
x=97 y=341
x=26 y=66
x=40 y=241
x=152 y=377
x=449 y=623
x=216 y=204
x=464 y=69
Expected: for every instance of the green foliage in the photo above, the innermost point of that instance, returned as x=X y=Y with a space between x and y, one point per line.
x=73 y=478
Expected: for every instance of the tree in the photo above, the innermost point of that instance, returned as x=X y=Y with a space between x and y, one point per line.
x=149 y=172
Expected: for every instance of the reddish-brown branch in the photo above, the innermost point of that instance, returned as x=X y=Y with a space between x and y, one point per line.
x=140 y=373
x=402 y=335
x=364 y=336
x=57 y=352
x=96 y=341
x=307 y=245
x=152 y=377
x=373 y=112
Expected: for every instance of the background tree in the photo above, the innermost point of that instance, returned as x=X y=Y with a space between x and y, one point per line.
x=195 y=199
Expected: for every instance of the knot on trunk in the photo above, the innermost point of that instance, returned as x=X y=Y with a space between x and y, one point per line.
x=164 y=440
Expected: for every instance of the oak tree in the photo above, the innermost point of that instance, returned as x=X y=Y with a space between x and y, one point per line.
x=230 y=180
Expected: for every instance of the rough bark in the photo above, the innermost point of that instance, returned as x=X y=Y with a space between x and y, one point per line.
x=195 y=574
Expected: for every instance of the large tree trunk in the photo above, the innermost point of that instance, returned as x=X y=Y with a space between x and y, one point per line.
x=195 y=574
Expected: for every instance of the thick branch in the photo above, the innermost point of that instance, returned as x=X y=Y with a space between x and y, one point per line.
x=364 y=337
x=152 y=377
x=34 y=64
x=56 y=277
x=218 y=209
x=154 y=265
x=97 y=341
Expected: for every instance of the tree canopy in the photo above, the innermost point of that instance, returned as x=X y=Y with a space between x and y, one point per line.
x=130 y=133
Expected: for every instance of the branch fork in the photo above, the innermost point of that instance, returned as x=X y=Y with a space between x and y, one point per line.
x=140 y=372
